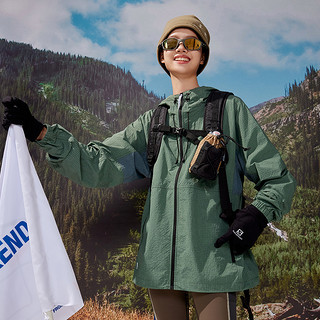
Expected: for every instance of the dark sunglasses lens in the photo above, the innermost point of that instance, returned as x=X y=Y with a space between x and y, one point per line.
x=192 y=44
x=170 y=44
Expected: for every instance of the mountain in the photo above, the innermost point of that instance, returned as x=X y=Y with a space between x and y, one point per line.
x=53 y=81
x=256 y=108
x=293 y=125
x=289 y=268
x=92 y=99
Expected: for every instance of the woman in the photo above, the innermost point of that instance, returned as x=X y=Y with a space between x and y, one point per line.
x=184 y=245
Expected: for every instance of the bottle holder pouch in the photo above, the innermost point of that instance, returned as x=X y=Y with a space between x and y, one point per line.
x=209 y=156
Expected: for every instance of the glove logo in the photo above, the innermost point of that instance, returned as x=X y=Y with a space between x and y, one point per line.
x=238 y=233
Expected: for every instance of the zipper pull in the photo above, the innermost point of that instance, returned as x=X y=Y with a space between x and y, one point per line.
x=179 y=100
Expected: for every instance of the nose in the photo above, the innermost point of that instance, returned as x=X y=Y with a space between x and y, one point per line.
x=180 y=43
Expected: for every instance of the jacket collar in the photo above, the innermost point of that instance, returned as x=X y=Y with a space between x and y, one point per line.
x=192 y=96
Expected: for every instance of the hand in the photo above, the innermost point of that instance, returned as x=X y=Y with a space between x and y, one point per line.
x=17 y=112
x=244 y=230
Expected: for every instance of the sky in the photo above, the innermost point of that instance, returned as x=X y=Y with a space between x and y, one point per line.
x=257 y=48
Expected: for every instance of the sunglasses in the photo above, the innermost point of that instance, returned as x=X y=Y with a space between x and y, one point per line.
x=189 y=43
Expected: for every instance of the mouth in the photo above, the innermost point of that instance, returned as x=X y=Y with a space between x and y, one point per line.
x=182 y=58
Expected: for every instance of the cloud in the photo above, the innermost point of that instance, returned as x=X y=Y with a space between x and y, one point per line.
x=244 y=33
x=47 y=24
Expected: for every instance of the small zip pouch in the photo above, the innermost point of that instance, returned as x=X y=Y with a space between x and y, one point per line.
x=209 y=156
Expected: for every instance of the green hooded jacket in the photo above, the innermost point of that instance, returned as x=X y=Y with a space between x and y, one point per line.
x=181 y=219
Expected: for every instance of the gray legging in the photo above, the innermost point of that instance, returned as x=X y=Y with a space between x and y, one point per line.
x=172 y=305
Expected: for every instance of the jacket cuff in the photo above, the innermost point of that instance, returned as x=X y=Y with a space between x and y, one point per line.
x=254 y=211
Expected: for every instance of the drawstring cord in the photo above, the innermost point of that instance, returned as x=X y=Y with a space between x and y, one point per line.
x=234 y=141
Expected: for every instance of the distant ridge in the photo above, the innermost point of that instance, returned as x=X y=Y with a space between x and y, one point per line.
x=257 y=107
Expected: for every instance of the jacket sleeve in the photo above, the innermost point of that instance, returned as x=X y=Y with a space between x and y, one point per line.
x=118 y=159
x=264 y=166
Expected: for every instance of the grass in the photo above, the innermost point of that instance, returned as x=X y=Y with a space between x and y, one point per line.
x=93 y=310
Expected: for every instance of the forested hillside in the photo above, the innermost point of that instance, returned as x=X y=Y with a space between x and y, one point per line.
x=293 y=125
x=92 y=99
x=292 y=268
x=46 y=79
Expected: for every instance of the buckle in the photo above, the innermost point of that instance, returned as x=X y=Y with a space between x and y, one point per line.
x=179 y=131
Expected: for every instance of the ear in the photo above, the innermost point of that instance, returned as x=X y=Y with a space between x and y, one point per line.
x=161 y=57
x=203 y=59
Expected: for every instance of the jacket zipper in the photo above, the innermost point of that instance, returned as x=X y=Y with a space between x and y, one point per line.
x=175 y=208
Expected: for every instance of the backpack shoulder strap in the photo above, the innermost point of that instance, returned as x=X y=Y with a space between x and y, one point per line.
x=213 y=114
x=213 y=121
x=155 y=136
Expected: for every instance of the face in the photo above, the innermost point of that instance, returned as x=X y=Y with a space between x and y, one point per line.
x=182 y=62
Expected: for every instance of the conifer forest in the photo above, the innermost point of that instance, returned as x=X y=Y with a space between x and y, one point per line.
x=100 y=227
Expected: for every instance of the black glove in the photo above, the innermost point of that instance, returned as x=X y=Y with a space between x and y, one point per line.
x=244 y=230
x=17 y=112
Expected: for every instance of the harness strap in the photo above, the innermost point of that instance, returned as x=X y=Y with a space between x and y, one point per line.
x=213 y=114
x=191 y=135
x=155 y=137
x=227 y=213
x=246 y=303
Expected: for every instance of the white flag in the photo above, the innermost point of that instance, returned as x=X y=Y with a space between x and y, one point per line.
x=36 y=277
